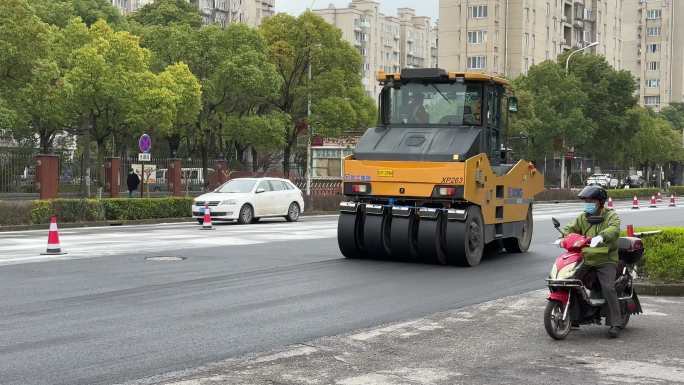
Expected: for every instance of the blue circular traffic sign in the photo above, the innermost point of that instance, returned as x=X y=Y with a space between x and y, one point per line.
x=145 y=143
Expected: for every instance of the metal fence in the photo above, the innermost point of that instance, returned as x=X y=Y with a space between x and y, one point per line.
x=17 y=171
x=155 y=174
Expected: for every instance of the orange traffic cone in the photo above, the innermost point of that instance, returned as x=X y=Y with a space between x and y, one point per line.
x=659 y=197
x=53 y=247
x=673 y=203
x=610 y=203
x=653 y=202
x=630 y=230
x=635 y=203
x=206 y=222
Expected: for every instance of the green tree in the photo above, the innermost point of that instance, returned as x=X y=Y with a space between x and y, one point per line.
x=237 y=80
x=551 y=110
x=41 y=105
x=60 y=12
x=610 y=93
x=104 y=84
x=167 y=12
x=307 y=42
x=654 y=142
x=179 y=81
x=23 y=42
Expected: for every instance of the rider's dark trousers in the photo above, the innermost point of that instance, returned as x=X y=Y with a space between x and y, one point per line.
x=606 y=276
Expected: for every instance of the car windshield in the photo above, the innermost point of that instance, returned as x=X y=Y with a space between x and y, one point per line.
x=434 y=104
x=237 y=186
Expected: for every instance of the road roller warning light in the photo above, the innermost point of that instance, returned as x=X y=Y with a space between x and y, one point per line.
x=447 y=191
x=360 y=188
x=437 y=181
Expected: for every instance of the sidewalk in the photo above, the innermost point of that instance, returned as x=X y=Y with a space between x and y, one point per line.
x=498 y=342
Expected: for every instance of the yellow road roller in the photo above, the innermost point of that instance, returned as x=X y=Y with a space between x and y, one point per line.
x=432 y=182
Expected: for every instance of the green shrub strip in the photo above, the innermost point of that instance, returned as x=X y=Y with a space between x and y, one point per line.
x=664 y=255
x=88 y=210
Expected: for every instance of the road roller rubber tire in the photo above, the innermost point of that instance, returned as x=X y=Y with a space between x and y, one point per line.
x=376 y=231
x=430 y=243
x=522 y=244
x=465 y=240
x=403 y=234
x=350 y=234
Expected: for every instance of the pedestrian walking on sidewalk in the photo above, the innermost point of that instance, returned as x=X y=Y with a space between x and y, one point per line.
x=132 y=181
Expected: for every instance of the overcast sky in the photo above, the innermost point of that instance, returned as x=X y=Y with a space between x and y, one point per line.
x=388 y=7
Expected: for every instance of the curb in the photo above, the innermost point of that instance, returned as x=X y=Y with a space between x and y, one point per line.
x=68 y=225
x=660 y=289
x=154 y=221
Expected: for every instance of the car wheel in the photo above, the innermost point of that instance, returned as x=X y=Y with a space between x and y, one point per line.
x=246 y=215
x=293 y=212
x=200 y=221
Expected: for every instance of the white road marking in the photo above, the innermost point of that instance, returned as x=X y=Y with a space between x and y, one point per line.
x=114 y=242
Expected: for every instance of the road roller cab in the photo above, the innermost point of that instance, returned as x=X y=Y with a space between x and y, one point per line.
x=431 y=182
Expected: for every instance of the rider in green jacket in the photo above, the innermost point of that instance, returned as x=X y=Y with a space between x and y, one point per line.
x=603 y=226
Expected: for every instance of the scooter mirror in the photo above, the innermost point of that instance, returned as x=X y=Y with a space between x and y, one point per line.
x=556 y=224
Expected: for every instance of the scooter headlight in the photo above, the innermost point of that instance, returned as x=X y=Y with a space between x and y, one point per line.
x=567 y=271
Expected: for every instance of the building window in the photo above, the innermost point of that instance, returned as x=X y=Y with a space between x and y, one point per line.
x=548 y=9
x=652 y=48
x=477 y=62
x=653 y=31
x=651 y=100
x=654 y=65
x=477 y=37
x=477 y=11
x=653 y=14
x=653 y=83
x=527 y=64
x=526 y=40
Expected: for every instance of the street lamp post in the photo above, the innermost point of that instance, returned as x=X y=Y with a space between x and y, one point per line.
x=309 y=134
x=567 y=71
x=308 y=123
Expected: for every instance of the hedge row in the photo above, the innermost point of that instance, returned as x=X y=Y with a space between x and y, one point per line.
x=631 y=192
x=88 y=210
x=677 y=190
x=664 y=255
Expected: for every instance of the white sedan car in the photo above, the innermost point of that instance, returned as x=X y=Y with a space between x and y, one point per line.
x=249 y=199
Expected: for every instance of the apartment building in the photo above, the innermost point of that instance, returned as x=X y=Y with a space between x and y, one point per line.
x=385 y=42
x=221 y=12
x=654 y=49
x=506 y=37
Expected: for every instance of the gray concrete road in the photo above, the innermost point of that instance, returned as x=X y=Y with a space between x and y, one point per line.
x=497 y=342
x=103 y=314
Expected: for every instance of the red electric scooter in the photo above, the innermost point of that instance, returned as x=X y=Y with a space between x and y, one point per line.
x=577 y=300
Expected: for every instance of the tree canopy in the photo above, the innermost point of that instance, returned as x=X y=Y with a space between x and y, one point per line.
x=299 y=44
x=167 y=12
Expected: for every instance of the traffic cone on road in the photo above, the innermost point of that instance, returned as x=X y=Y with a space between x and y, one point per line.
x=659 y=197
x=206 y=222
x=673 y=203
x=53 y=247
x=653 y=202
x=610 y=203
x=635 y=203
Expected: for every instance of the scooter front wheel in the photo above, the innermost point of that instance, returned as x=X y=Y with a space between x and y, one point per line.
x=553 y=321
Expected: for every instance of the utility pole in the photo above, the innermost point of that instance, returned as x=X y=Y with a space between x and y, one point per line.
x=567 y=71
